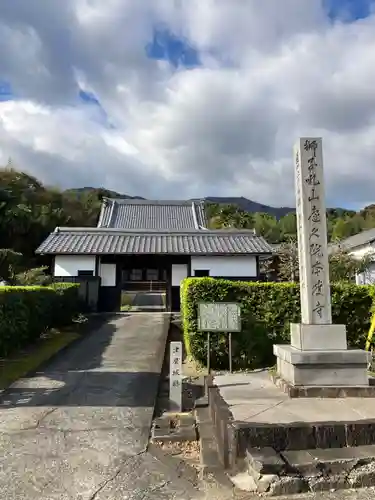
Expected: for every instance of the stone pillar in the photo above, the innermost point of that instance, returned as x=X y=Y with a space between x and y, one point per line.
x=317 y=354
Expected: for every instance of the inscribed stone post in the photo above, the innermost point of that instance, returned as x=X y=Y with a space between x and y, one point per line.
x=318 y=354
x=312 y=233
x=175 y=376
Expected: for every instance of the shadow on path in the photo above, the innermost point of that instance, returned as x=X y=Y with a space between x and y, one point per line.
x=117 y=364
x=149 y=302
x=79 y=427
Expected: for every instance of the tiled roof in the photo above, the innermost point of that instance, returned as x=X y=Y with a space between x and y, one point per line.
x=161 y=215
x=357 y=240
x=107 y=241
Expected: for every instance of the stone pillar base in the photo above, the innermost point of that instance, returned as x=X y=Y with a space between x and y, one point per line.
x=318 y=337
x=317 y=368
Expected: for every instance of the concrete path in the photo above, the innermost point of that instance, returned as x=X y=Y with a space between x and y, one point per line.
x=78 y=429
x=252 y=397
x=149 y=301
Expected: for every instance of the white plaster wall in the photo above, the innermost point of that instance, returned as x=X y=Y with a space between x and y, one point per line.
x=362 y=251
x=179 y=272
x=69 y=265
x=368 y=277
x=235 y=266
x=107 y=272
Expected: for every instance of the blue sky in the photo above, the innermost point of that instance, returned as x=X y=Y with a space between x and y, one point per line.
x=166 y=46
x=5 y=91
x=223 y=128
x=349 y=10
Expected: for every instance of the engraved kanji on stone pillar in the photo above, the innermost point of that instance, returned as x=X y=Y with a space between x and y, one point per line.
x=312 y=232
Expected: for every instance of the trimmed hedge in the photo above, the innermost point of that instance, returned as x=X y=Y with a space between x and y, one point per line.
x=27 y=312
x=267 y=309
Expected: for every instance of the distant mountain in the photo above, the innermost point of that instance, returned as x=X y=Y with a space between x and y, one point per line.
x=241 y=202
x=251 y=206
x=101 y=193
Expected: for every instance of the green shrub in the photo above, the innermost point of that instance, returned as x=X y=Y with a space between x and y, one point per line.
x=66 y=303
x=27 y=312
x=267 y=309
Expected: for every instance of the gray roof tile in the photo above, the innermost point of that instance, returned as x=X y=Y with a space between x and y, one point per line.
x=106 y=241
x=152 y=215
x=357 y=240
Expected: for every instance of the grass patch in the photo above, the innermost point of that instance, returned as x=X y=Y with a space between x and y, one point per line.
x=272 y=370
x=127 y=301
x=126 y=308
x=192 y=367
x=28 y=360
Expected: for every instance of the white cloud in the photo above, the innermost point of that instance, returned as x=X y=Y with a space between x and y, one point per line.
x=271 y=72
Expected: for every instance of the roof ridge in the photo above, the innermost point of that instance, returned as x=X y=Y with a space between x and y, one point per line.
x=137 y=201
x=103 y=207
x=109 y=222
x=195 y=218
x=196 y=231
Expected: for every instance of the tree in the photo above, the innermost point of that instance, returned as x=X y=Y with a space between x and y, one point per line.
x=288 y=226
x=284 y=264
x=343 y=267
x=266 y=225
x=27 y=207
x=35 y=276
x=9 y=264
x=340 y=229
x=341 y=223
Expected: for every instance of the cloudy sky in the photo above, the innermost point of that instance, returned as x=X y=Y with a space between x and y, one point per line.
x=189 y=98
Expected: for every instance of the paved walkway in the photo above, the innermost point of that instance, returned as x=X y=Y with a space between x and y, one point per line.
x=149 y=301
x=79 y=429
x=252 y=397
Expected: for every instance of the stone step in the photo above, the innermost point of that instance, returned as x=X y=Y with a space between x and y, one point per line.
x=297 y=471
x=174 y=427
x=305 y=436
x=261 y=461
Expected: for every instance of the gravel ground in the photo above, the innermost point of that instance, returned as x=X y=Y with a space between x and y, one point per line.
x=187 y=451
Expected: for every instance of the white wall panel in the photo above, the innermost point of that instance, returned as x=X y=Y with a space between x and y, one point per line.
x=235 y=266
x=179 y=273
x=107 y=272
x=368 y=277
x=360 y=252
x=69 y=265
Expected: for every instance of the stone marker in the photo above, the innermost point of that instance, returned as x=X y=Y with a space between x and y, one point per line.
x=175 y=376
x=312 y=234
x=318 y=353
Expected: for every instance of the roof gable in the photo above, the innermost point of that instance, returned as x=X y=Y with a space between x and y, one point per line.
x=146 y=215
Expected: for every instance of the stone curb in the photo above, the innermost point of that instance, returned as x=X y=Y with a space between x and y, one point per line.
x=234 y=437
x=225 y=431
x=160 y=356
x=310 y=470
x=209 y=458
x=323 y=392
x=211 y=470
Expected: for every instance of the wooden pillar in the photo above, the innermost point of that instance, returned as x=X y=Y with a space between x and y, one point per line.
x=168 y=294
x=257 y=268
